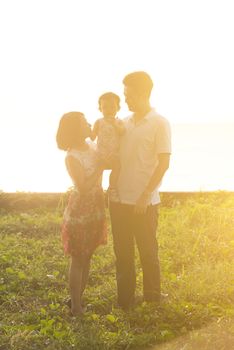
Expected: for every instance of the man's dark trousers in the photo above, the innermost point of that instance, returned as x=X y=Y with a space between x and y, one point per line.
x=128 y=227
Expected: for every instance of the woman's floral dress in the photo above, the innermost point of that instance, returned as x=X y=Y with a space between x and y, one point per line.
x=84 y=224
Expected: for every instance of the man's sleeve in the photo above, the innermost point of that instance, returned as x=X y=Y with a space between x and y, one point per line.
x=163 y=137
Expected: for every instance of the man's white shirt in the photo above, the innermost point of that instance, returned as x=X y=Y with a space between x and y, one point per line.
x=140 y=146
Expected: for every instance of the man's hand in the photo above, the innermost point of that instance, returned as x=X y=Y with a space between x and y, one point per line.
x=142 y=203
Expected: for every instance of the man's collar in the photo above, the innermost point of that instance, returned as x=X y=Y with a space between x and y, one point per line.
x=145 y=118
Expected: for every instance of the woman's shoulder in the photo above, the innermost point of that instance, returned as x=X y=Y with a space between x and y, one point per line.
x=76 y=153
x=73 y=154
x=86 y=155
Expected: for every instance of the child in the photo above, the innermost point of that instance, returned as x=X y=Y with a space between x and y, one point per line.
x=84 y=226
x=108 y=130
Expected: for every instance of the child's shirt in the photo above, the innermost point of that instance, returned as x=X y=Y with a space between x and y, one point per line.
x=108 y=139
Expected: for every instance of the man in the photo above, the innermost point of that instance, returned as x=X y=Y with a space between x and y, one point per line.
x=144 y=156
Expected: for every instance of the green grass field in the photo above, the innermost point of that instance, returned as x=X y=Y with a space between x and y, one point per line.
x=196 y=239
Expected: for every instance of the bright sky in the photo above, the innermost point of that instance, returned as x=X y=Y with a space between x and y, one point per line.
x=60 y=55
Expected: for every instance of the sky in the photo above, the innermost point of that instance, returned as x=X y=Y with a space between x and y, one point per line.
x=59 y=56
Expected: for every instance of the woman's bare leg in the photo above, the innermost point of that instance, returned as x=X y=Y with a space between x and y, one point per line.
x=75 y=283
x=85 y=275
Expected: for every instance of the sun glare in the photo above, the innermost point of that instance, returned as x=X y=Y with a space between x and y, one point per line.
x=54 y=62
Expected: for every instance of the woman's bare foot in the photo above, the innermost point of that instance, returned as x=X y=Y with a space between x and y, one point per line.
x=79 y=311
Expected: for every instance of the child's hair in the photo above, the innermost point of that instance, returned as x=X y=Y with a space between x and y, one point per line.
x=139 y=81
x=68 y=130
x=109 y=96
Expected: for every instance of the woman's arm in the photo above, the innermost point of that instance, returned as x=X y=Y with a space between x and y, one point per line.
x=76 y=172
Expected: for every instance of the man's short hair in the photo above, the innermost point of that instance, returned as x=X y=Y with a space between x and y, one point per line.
x=140 y=81
x=109 y=96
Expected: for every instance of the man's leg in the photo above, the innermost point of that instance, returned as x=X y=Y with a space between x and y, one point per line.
x=123 y=241
x=145 y=234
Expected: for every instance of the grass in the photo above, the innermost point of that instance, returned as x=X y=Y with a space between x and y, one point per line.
x=196 y=238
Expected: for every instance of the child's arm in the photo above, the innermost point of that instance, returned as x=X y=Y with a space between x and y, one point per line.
x=95 y=130
x=119 y=125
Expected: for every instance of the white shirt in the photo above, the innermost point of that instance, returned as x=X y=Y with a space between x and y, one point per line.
x=139 y=149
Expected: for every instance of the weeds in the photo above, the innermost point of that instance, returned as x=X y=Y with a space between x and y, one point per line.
x=196 y=239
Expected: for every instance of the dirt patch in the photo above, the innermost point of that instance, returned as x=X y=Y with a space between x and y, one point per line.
x=216 y=336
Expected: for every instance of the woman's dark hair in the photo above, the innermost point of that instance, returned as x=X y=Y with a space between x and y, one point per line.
x=140 y=81
x=109 y=96
x=68 y=130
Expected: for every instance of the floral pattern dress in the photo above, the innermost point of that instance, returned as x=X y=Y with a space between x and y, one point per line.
x=84 y=224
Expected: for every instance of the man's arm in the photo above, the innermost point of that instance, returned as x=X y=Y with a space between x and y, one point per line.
x=163 y=165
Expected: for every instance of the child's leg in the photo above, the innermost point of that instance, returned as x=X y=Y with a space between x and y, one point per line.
x=75 y=283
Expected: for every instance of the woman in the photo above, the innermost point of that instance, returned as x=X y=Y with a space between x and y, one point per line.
x=84 y=226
